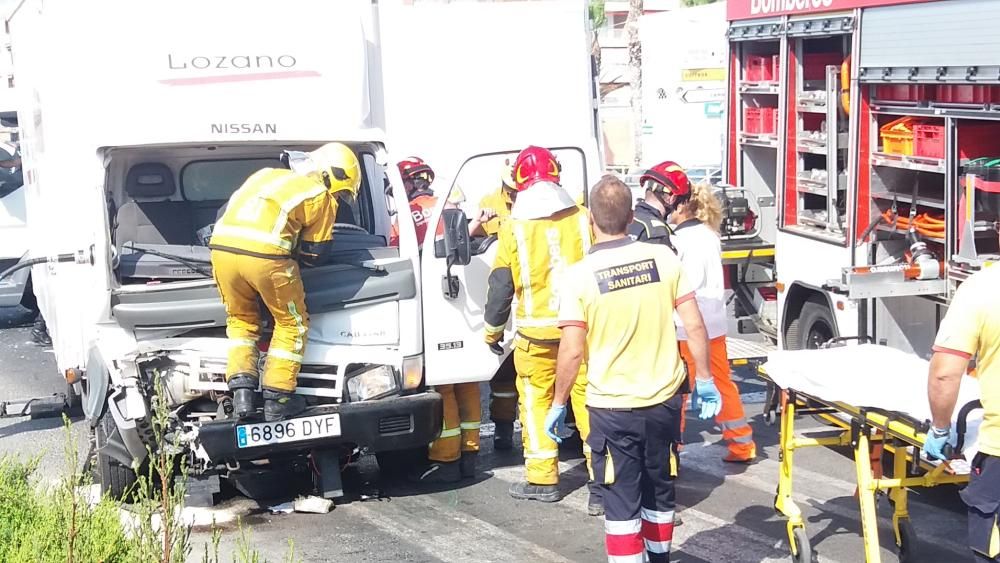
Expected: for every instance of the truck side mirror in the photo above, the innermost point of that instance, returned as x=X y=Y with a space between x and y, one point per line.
x=457 y=249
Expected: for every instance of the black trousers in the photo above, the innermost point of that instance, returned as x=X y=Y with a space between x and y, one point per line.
x=982 y=496
x=633 y=463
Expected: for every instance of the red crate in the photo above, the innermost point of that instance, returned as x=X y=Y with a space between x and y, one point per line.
x=928 y=140
x=903 y=92
x=760 y=69
x=760 y=121
x=974 y=140
x=814 y=65
x=965 y=94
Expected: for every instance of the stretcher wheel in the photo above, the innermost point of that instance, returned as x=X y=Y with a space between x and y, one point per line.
x=907 y=542
x=802 y=551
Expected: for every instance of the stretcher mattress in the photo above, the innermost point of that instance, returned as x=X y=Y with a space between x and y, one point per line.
x=875 y=377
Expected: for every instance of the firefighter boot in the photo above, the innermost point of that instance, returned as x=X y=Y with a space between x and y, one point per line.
x=468 y=464
x=437 y=472
x=503 y=436
x=244 y=387
x=279 y=405
x=595 y=504
x=40 y=333
x=528 y=491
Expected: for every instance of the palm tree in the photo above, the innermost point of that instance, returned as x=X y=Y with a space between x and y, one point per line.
x=635 y=74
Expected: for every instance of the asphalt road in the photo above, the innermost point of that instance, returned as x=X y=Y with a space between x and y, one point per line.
x=727 y=510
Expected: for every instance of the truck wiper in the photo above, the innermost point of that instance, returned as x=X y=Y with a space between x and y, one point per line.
x=193 y=263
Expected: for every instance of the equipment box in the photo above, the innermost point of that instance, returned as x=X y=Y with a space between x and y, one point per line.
x=762 y=69
x=967 y=94
x=974 y=140
x=760 y=121
x=903 y=93
x=897 y=136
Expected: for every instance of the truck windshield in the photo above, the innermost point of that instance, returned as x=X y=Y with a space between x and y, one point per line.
x=208 y=180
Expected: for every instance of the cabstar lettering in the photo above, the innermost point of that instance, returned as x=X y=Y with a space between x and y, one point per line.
x=226 y=62
x=238 y=128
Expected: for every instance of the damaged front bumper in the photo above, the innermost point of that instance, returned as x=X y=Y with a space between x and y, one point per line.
x=395 y=423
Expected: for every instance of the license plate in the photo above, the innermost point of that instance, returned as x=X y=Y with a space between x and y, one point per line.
x=297 y=429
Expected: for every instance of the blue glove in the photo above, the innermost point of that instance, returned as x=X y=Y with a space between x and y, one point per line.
x=937 y=439
x=708 y=398
x=555 y=424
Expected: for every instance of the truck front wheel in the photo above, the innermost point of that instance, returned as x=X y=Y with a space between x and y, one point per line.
x=117 y=480
x=816 y=325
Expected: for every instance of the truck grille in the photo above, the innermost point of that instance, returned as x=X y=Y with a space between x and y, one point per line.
x=396 y=424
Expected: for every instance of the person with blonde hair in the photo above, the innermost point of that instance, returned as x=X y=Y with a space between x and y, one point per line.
x=697 y=214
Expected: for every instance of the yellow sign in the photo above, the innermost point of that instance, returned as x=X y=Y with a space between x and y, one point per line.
x=703 y=74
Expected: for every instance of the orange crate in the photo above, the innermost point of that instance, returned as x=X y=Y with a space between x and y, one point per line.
x=897 y=136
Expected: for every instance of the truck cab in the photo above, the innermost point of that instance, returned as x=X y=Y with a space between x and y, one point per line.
x=139 y=324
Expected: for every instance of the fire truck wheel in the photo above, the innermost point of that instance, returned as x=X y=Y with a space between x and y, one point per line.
x=816 y=325
x=117 y=480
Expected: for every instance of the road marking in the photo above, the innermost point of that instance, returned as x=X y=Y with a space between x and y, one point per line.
x=698 y=537
x=449 y=535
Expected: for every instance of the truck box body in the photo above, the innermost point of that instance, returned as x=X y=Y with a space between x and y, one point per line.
x=174 y=104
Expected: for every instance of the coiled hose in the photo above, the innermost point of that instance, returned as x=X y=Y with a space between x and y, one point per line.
x=924 y=223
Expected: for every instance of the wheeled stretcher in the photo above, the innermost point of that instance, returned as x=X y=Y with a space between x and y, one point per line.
x=875 y=399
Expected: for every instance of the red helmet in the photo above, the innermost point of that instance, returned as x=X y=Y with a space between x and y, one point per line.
x=413 y=167
x=535 y=164
x=666 y=177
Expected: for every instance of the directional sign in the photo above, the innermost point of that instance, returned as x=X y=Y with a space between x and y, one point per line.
x=703 y=95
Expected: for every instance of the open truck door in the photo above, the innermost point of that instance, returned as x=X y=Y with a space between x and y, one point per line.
x=455 y=269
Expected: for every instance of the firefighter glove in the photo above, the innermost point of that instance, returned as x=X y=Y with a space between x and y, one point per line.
x=555 y=424
x=935 y=443
x=709 y=399
x=493 y=338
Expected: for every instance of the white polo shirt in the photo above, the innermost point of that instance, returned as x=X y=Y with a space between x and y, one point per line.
x=700 y=251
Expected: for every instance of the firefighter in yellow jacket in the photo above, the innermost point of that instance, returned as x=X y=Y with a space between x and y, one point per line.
x=547 y=232
x=274 y=218
x=494 y=210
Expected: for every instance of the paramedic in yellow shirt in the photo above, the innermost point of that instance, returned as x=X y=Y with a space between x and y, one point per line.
x=971 y=329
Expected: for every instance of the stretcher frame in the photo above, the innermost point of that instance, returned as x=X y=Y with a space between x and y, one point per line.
x=867 y=431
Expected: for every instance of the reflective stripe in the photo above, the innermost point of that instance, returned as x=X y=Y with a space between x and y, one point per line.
x=733 y=424
x=529 y=414
x=247 y=233
x=522 y=255
x=274 y=185
x=450 y=432
x=637 y=558
x=242 y=342
x=299 y=197
x=469 y=425
x=742 y=439
x=622 y=527
x=299 y=325
x=585 y=232
x=505 y=395
x=657 y=546
x=543 y=454
x=657 y=516
x=530 y=322
x=586 y=448
x=490 y=329
x=285 y=355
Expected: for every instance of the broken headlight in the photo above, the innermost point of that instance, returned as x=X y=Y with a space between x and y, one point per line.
x=374 y=383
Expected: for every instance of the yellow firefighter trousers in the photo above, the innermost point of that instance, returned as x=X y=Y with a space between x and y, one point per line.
x=536 y=381
x=241 y=279
x=460 y=429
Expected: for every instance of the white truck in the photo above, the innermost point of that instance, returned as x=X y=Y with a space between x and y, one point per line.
x=175 y=104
